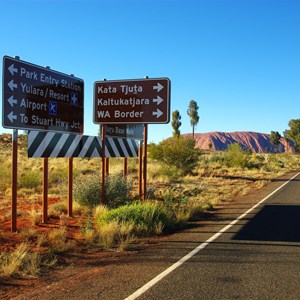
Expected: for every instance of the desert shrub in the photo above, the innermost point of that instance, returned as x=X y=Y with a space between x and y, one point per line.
x=145 y=217
x=117 y=190
x=87 y=190
x=256 y=161
x=58 y=175
x=176 y=152
x=30 y=179
x=235 y=156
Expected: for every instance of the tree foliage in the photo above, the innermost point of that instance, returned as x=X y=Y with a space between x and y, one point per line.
x=293 y=134
x=193 y=114
x=275 y=137
x=176 y=123
x=176 y=152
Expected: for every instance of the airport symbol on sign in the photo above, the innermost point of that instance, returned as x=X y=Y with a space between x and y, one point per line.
x=39 y=98
x=132 y=101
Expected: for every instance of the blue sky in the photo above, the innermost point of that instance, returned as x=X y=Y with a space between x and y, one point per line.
x=239 y=60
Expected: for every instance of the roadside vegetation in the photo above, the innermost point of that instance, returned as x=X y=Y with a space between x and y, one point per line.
x=183 y=182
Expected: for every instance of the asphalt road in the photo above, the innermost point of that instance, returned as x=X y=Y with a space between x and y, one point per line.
x=254 y=257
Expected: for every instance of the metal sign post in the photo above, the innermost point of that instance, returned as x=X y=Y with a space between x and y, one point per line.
x=14 y=181
x=45 y=190
x=70 y=186
x=145 y=162
x=103 y=167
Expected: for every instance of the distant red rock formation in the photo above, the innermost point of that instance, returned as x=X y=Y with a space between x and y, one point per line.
x=257 y=142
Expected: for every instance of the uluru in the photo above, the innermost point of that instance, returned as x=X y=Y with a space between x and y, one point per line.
x=256 y=142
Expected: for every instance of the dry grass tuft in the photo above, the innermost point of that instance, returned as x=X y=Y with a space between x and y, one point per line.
x=10 y=263
x=58 y=241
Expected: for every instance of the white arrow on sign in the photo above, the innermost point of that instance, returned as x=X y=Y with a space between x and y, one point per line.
x=158 y=100
x=158 y=113
x=12 y=101
x=158 y=87
x=12 y=117
x=12 y=85
x=12 y=69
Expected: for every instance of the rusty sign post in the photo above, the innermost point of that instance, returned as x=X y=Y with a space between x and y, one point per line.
x=14 y=180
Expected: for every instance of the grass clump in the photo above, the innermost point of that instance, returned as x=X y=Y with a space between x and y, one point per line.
x=35 y=216
x=57 y=209
x=58 y=242
x=113 y=233
x=10 y=263
x=23 y=262
x=144 y=217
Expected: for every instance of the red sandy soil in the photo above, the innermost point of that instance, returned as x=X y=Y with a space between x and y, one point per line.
x=12 y=287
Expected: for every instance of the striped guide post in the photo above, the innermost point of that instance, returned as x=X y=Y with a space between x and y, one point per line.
x=52 y=144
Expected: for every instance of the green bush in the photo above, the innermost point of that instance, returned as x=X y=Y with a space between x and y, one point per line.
x=30 y=179
x=176 y=152
x=235 y=156
x=145 y=217
x=117 y=190
x=87 y=190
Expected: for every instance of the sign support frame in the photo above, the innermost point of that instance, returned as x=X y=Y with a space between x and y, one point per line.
x=145 y=162
x=70 y=187
x=45 y=190
x=103 y=166
x=14 y=197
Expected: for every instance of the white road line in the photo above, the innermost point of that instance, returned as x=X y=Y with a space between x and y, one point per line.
x=159 y=277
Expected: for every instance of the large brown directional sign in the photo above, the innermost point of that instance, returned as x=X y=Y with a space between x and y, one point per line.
x=39 y=98
x=132 y=101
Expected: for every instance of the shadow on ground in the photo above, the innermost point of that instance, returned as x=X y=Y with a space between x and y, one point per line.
x=280 y=223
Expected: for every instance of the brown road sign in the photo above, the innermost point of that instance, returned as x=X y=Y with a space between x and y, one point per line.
x=39 y=98
x=132 y=101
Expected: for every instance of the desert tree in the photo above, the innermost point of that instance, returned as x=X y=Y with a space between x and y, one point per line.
x=275 y=137
x=193 y=114
x=293 y=134
x=176 y=123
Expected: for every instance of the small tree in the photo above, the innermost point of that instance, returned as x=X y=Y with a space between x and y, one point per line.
x=176 y=123
x=193 y=114
x=275 y=139
x=293 y=134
